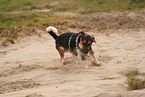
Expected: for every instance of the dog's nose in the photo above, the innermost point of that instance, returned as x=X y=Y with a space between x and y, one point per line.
x=85 y=51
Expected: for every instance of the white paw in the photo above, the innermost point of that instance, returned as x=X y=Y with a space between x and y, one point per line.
x=85 y=66
x=63 y=62
x=95 y=63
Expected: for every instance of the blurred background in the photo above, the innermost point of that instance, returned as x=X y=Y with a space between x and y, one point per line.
x=19 y=18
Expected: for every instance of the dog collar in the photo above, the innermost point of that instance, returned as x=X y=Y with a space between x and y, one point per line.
x=77 y=44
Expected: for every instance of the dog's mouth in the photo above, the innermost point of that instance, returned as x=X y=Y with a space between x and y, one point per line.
x=84 y=54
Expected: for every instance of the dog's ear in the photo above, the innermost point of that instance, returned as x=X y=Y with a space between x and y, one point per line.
x=93 y=39
x=82 y=33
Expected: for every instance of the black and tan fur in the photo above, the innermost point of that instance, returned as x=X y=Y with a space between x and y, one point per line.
x=79 y=44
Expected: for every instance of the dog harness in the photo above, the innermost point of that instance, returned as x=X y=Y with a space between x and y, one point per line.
x=76 y=41
x=77 y=44
x=69 y=42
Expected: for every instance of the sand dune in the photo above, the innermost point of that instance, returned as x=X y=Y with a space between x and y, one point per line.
x=32 y=67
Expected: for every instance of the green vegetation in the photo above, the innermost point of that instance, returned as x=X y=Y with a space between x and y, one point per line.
x=13 y=20
x=13 y=26
x=19 y=15
x=71 y=5
x=135 y=79
x=18 y=5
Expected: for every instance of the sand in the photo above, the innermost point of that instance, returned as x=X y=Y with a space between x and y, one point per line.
x=32 y=67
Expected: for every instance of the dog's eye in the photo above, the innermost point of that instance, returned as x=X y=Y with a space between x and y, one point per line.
x=84 y=44
x=89 y=44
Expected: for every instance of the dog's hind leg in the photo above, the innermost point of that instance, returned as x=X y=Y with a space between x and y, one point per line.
x=61 y=53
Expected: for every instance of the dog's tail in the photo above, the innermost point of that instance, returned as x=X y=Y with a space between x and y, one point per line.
x=52 y=30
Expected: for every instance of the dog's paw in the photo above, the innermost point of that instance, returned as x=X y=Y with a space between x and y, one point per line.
x=97 y=63
x=85 y=66
x=64 y=63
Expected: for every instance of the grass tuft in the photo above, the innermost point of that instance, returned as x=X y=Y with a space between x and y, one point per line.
x=135 y=79
x=131 y=73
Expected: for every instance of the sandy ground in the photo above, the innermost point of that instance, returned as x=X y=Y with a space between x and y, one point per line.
x=32 y=67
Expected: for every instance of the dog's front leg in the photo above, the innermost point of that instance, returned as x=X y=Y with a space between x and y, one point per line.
x=95 y=61
x=80 y=59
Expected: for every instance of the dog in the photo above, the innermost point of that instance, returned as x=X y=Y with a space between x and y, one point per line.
x=79 y=44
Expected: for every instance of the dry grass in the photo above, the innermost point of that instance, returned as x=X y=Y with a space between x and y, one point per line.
x=18 y=18
x=135 y=79
x=13 y=26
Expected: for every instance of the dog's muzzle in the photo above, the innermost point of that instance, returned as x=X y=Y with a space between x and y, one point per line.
x=85 y=51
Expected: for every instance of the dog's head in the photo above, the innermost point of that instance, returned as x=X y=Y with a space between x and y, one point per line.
x=86 y=42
